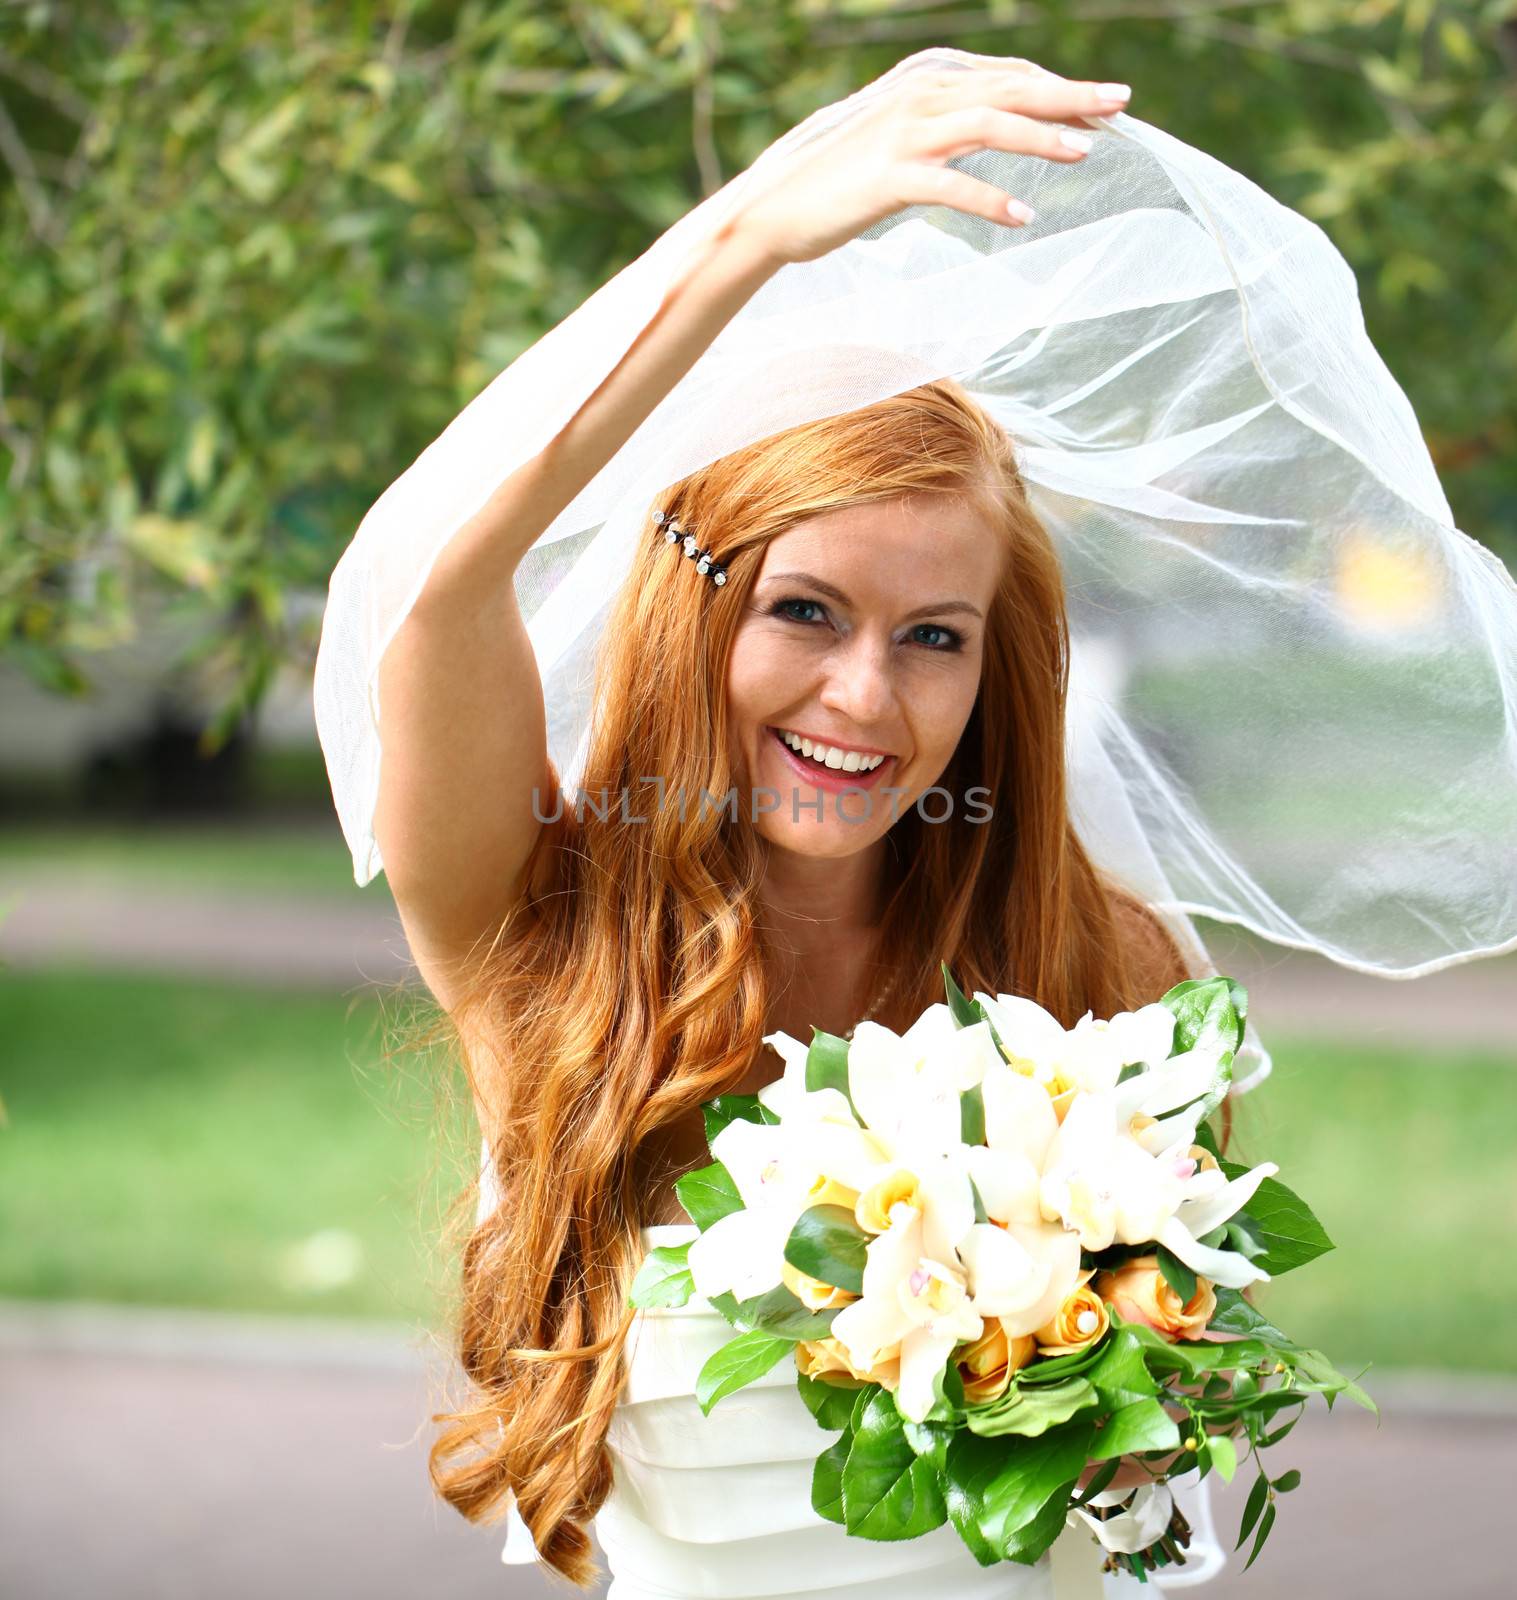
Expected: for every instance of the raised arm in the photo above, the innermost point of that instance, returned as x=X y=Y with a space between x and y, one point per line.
x=464 y=726
x=465 y=739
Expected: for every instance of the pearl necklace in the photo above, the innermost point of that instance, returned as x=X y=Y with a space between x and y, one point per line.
x=881 y=996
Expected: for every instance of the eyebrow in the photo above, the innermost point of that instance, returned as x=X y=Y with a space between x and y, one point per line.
x=831 y=590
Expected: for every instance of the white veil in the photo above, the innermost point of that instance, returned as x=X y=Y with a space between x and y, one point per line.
x=1294 y=690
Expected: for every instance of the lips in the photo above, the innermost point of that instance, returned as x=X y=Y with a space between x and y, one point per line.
x=834 y=780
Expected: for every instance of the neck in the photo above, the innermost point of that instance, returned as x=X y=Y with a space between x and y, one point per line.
x=812 y=900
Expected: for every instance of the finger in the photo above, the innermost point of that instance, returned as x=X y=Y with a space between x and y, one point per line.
x=956 y=133
x=1047 y=95
x=926 y=185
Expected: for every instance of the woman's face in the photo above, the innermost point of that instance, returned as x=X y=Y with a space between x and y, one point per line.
x=864 y=633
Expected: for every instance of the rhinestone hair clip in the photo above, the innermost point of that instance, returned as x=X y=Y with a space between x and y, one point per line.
x=705 y=563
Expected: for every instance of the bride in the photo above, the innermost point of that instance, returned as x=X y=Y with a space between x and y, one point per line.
x=829 y=747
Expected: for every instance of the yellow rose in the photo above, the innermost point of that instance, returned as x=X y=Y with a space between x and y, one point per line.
x=827 y=1358
x=872 y=1211
x=1138 y=1292
x=986 y=1365
x=812 y=1292
x=1077 y=1324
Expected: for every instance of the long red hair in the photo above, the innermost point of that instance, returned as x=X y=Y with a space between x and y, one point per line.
x=631 y=986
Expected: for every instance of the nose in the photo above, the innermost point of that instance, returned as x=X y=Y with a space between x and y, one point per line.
x=860 y=685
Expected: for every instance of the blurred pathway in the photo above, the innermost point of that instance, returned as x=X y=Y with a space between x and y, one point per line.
x=242 y=1458
x=51 y=916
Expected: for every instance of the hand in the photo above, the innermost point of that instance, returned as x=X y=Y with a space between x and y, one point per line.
x=893 y=155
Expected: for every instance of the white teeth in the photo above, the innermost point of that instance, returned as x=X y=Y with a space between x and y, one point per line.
x=831 y=756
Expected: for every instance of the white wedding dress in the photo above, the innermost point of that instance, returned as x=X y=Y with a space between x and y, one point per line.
x=719 y=1507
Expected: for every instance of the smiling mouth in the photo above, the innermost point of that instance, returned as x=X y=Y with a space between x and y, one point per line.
x=829 y=777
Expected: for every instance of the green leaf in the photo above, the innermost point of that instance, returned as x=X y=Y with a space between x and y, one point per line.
x=830 y=1403
x=1207 y=1011
x=889 y=1492
x=1224 y=1455
x=1177 y=1275
x=708 y=1195
x=970 y=1465
x=827 y=1065
x=1286 y=1481
x=726 y=1304
x=1024 y=1505
x=1144 y=1425
x=1257 y=1496
x=1283 y=1223
x=1121 y=1376
x=1235 y=1315
x=780 y=1312
x=737 y=1364
x=1098 y=1482
x=1266 y=1523
x=1030 y=1412
x=980 y=1213
x=729 y=1108
x=827 y=1243
x=929 y=1440
x=827 y=1479
x=972 y=1120
x=1324 y=1378
x=663 y=1279
x=1241 y=1238
x=965 y=1012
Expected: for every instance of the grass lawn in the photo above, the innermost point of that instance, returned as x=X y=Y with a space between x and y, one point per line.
x=172 y=1142
x=301 y=858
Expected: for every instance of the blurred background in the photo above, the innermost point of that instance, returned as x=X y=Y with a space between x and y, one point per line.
x=254 y=258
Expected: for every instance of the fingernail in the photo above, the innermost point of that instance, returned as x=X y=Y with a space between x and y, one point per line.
x=1075 y=141
x=1114 y=91
x=1023 y=213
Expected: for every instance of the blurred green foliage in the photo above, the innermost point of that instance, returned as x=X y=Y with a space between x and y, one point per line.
x=256 y=256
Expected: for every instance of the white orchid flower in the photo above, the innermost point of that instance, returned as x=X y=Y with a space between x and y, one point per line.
x=744 y=1252
x=906 y=1087
x=1021 y=1266
x=913 y=1306
x=1111 y=1187
x=1090 y=1055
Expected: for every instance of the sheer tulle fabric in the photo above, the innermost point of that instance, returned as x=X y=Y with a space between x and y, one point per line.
x=1294 y=697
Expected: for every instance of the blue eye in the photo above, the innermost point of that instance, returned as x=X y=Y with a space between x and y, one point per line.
x=778 y=608
x=952 y=639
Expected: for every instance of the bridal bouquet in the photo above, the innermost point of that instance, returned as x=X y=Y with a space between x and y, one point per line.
x=1001 y=1253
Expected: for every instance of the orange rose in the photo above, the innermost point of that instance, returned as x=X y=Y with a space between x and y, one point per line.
x=827 y=1358
x=1077 y=1324
x=1138 y=1292
x=986 y=1365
